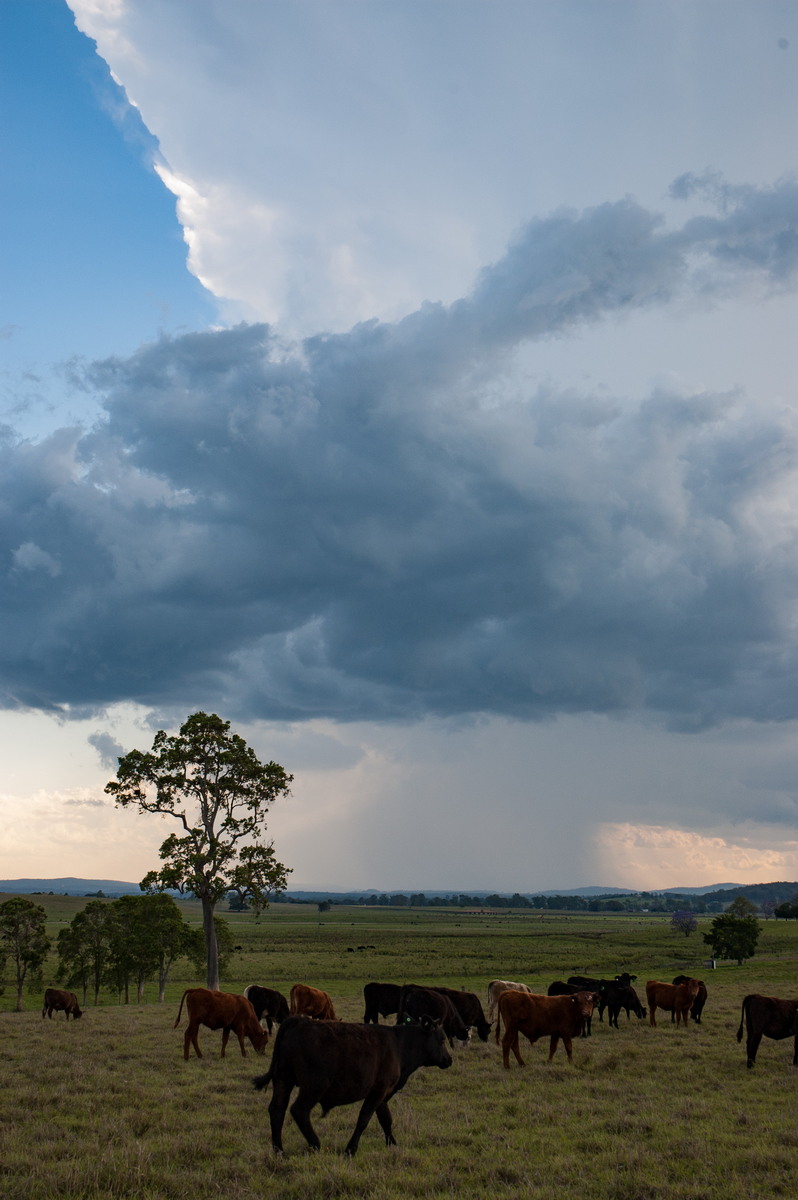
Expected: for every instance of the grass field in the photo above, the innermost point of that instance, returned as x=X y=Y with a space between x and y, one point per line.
x=106 y=1107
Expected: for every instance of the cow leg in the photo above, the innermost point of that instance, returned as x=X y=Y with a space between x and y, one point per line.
x=795 y=1054
x=191 y=1039
x=300 y=1111
x=510 y=1042
x=372 y=1103
x=386 y=1122
x=240 y=1033
x=281 y=1094
x=651 y=1011
x=751 y=1047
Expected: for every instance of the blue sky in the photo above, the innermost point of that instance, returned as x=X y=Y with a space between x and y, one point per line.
x=414 y=386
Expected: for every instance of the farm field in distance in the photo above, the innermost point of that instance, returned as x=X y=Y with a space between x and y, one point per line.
x=105 y=1107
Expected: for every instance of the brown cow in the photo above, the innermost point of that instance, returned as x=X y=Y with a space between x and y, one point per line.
x=340 y=1063
x=767 y=1016
x=311 y=1002
x=495 y=989
x=537 y=1016
x=56 y=1000
x=220 y=1010
x=671 y=997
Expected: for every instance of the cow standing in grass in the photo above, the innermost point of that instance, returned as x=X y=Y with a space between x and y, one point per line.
x=672 y=997
x=555 y=1017
x=220 y=1010
x=767 y=1016
x=267 y=1003
x=311 y=1002
x=335 y=1063
x=57 y=1000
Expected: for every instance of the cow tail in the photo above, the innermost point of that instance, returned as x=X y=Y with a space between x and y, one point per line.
x=262 y=1081
x=180 y=1010
x=743 y=1015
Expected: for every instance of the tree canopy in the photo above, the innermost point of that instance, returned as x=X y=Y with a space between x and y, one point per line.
x=735 y=933
x=24 y=940
x=213 y=784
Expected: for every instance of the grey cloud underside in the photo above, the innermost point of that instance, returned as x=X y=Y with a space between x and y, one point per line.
x=380 y=524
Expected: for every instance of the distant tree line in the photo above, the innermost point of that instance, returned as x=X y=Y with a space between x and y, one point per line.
x=637 y=902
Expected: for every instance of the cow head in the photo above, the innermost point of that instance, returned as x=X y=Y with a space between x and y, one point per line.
x=436 y=1052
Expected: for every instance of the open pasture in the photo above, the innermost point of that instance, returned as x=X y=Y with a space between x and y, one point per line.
x=105 y=1108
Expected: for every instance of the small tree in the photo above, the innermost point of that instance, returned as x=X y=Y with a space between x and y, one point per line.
x=684 y=922
x=22 y=931
x=213 y=784
x=735 y=933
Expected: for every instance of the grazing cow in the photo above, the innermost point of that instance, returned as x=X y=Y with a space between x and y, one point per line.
x=700 y=1000
x=56 y=1000
x=617 y=996
x=267 y=1003
x=496 y=988
x=672 y=997
x=382 y=1000
x=536 y=1016
x=558 y=988
x=767 y=1016
x=334 y=1064
x=468 y=1006
x=220 y=1010
x=416 y=1002
x=311 y=1002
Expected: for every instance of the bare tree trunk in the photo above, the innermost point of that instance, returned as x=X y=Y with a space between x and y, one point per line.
x=211 y=948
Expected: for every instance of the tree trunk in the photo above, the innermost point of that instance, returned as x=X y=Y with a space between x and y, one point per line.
x=211 y=949
x=20 y=990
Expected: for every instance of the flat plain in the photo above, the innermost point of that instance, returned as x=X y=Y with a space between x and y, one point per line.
x=105 y=1108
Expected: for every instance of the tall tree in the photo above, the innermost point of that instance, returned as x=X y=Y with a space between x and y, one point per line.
x=25 y=941
x=213 y=784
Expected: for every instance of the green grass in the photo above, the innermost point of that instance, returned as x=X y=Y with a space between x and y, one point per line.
x=106 y=1109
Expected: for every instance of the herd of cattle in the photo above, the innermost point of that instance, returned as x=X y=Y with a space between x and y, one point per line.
x=333 y=1062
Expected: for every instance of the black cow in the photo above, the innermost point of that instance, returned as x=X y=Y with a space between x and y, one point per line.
x=558 y=988
x=586 y=983
x=334 y=1063
x=698 y=1003
x=617 y=996
x=767 y=1016
x=416 y=1002
x=267 y=1003
x=382 y=1000
x=470 y=1009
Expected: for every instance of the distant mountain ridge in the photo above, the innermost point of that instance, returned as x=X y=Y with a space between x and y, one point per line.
x=73 y=886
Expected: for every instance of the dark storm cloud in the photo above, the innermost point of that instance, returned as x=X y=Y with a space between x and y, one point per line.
x=379 y=525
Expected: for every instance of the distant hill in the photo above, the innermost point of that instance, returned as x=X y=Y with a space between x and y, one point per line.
x=70 y=886
x=724 y=893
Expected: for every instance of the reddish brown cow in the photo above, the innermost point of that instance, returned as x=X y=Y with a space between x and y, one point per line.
x=56 y=1000
x=537 y=1016
x=311 y=1002
x=220 y=1010
x=672 y=997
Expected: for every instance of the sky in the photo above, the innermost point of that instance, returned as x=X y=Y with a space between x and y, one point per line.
x=414 y=386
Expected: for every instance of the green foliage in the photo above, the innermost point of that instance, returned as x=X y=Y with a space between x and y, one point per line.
x=25 y=941
x=213 y=784
x=85 y=947
x=735 y=933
